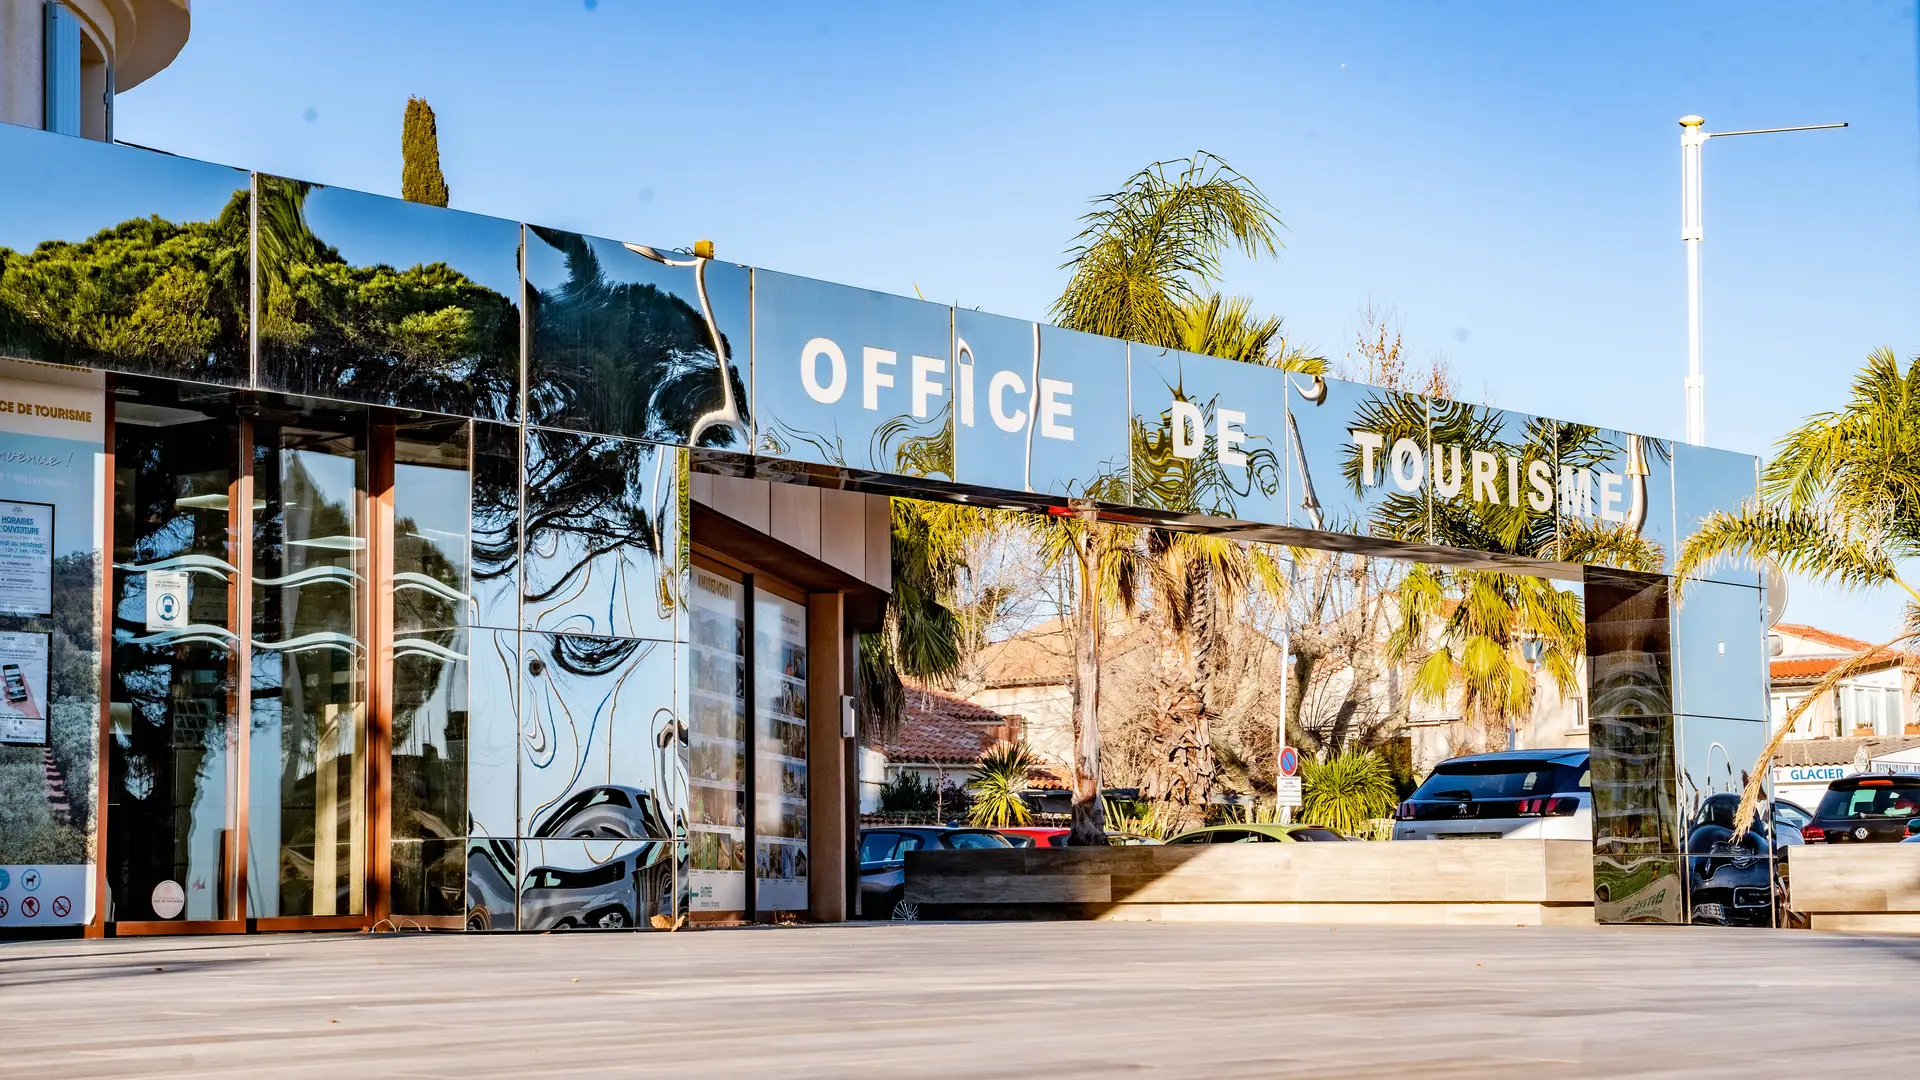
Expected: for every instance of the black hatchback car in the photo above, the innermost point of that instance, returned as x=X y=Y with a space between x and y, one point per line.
x=883 y=859
x=1872 y=808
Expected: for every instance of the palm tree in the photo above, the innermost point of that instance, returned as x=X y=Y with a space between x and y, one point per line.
x=1346 y=790
x=1142 y=267
x=1839 y=502
x=998 y=781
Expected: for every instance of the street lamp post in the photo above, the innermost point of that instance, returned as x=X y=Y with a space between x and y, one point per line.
x=1694 y=136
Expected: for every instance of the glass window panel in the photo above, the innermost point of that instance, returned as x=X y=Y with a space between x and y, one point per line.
x=495 y=560
x=171 y=754
x=1333 y=426
x=600 y=749
x=850 y=378
x=597 y=884
x=492 y=876
x=1492 y=478
x=1207 y=436
x=1706 y=480
x=371 y=299
x=630 y=340
x=603 y=535
x=429 y=877
x=1719 y=650
x=1616 y=499
x=122 y=259
x=493 y=735
x=780 y=753
x=717 y=769
x=307 y=823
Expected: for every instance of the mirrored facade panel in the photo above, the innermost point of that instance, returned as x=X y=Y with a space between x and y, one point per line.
x=1207 y=436
x=122 y=259
x=429 y=878
x=1732 y=889
x=1720 y=651
x=1638 y=889
x=1629 y=644
x=494 y=546
x=377 y=300
x=1615 y=494
x=493 y=738
x=1491 y=475
x=1633 y=785
x=625 y=339
x=1706 y=480
x=996 y=375
x=851 y=378
x=1079 y=418
x=1730 y=876
x=598 y=884
x=600 y=750
x=1358 y=463
x=493 y=881
x=604 y=535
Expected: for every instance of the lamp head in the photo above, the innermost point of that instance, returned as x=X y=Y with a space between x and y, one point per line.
x=1692 y=121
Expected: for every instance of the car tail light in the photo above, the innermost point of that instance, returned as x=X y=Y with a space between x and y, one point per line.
x=1813 y=834
x=1548 y=806
x=1406 y=810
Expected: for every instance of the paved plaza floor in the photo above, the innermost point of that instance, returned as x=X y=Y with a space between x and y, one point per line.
x=1052 y=1001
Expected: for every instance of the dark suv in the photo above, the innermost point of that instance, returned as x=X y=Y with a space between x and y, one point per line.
x=1872 y=808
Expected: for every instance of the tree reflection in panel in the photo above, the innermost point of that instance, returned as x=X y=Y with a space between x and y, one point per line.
x=307 y=811
x=170 y=762
x=429 y=749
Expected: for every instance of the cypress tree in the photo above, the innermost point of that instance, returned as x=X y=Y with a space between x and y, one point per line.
x=420 y=178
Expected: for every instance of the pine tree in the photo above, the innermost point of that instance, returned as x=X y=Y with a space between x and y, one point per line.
x=420 y=178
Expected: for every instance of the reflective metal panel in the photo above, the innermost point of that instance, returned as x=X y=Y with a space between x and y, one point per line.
x=851 y=378
x=598 y=884
x=1616 y=499
x=1720 y=651
x=1729 y=881
x=603 y=535
x=996 y=375
x=1638 y=889
x=1633 y=785
x=493 y=876
x=495 y=547
x=1080 y=417
x=493 y=739
x=1629 y=661
x=1356 y=465
x=122 y=259
x=1706 y=480
x=1207 y=436
x=600 y=748
x=624 y=339
x=1491 y=478
x=372 y=299
x=1732 y=889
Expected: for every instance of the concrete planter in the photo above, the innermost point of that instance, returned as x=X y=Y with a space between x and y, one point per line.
x=1492 y=882
x=1856 y=886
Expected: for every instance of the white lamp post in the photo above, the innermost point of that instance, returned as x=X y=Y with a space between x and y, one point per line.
x=1693 y=136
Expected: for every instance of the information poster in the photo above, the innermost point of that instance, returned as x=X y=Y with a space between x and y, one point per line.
x=780 y=759
x=717 y=746
x=26 y=558
x=23 y=689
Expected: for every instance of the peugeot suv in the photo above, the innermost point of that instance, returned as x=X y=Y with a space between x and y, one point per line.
x=1513 y=794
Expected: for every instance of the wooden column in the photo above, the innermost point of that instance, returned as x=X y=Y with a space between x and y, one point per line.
x=827 y=777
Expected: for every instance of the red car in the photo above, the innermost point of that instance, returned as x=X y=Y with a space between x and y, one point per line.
x=1030 y=836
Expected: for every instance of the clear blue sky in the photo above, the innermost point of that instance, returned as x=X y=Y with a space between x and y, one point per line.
x=1503 y=176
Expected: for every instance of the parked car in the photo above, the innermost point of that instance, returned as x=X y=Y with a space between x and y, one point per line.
x=605 y=812
x=1870 y=808
x=883 y=859
x=1727 y=881
x=1913 y=831
x=1256 y=834
x=1032 y=836
x=1512 y=794
x=624 y=892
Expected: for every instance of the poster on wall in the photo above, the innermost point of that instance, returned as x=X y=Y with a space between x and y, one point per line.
x=780 y=852
x=717 y=746
x=23 y=689
x=26 y=558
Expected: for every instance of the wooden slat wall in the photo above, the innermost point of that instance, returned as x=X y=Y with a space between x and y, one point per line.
x=1854 y=879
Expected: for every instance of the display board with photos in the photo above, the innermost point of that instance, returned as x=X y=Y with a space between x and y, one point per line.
x=717 y=746
x=780 y=753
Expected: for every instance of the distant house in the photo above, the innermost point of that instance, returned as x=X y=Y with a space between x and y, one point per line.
x=1866 y=724
x=1030 y=676
x=940 y=738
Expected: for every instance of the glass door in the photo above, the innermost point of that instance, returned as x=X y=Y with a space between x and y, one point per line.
x=171 y=740
x=307 y=799
x=717 y=747
x=780 y=752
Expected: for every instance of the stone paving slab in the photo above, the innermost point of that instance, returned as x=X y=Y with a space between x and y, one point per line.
x=1052 y=1000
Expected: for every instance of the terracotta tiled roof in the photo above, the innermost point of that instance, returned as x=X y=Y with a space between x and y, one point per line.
x=1840 y=751
x=1813 y=667
x=943 y=729
x=1823 y=637
x=1043 y=655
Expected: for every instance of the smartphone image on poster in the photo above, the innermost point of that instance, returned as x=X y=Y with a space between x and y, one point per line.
x=15 y=682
